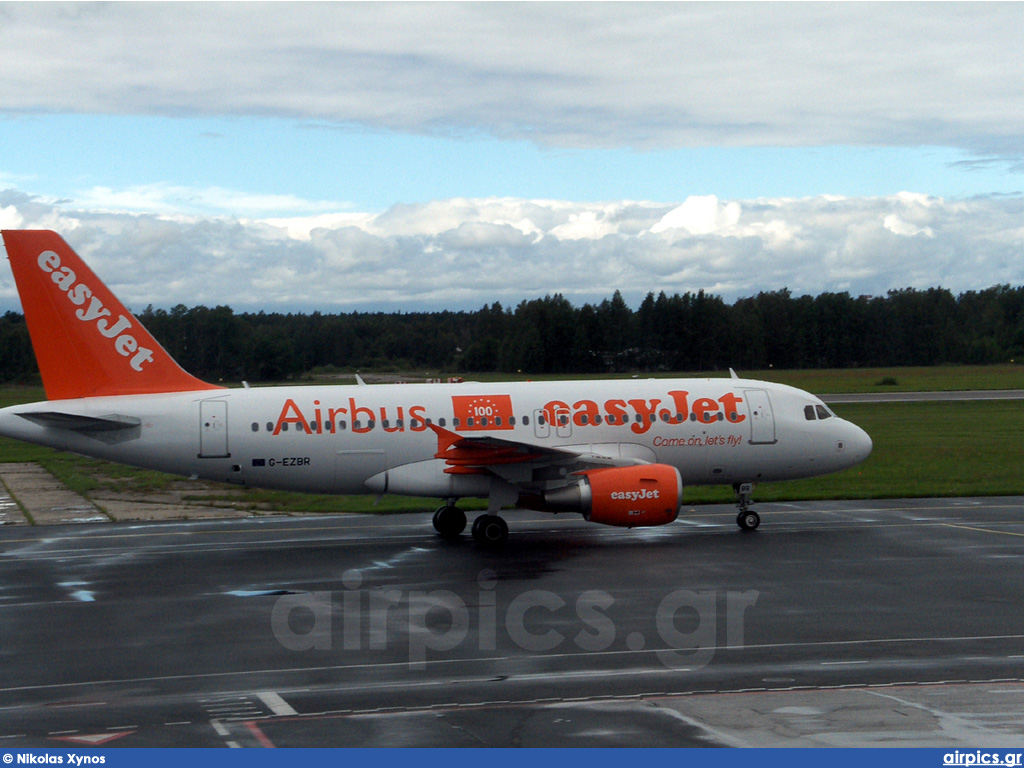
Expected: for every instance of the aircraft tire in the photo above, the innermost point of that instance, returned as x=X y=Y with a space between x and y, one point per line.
x=449 y=521
x=490 y=530
x=748 y=520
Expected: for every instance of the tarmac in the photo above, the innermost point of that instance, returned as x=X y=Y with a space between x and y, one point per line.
x=857 y=623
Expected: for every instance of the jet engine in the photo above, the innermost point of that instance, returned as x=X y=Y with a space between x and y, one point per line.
x=642 y=495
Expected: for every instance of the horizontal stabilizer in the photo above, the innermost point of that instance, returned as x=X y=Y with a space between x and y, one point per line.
x=108 y=429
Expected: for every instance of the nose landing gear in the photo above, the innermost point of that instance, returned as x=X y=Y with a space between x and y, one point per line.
x=747 y=519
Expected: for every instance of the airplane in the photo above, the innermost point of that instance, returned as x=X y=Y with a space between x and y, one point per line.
x=618 y=452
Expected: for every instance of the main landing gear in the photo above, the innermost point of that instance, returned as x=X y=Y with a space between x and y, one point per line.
x=449 y=521
x=489 y=530
x=747 y=519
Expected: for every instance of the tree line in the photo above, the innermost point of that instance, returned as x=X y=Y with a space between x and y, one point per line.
x=690 y=332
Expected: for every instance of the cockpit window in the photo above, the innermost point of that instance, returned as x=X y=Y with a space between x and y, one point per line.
x=823 y=412
x=809 y=412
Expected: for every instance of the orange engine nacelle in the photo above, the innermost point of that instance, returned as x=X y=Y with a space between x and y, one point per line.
x=647 y=494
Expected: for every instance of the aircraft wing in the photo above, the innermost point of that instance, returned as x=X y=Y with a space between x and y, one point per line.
x=517 y=461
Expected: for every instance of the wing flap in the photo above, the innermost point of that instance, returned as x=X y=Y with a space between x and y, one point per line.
x=486 y=455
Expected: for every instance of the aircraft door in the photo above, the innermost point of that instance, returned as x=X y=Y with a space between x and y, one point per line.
x=762 y=419
x=213 y=429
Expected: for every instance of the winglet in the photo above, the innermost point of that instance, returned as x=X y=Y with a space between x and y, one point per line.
x=86 y=342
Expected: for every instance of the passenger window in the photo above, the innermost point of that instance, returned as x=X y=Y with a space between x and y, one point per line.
x=255 y=427
x=526 y=421
x=809 y=412
x=583 y=419
x=822 y=412
x=597 y=418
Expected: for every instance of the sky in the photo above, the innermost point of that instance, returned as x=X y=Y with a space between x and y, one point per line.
x=329 y=156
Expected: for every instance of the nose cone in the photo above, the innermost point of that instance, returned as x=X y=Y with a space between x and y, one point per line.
x=857 y=444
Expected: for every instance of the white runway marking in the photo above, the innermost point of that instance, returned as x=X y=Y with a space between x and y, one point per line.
x=276 y=704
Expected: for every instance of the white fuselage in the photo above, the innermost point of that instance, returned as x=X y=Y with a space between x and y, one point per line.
x=375 y=438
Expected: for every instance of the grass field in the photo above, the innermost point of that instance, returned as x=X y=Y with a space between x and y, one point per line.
x=921 y=449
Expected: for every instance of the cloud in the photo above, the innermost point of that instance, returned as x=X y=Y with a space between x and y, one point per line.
x=10 y=218
x=463 y=253
x=898 y=226
x=559 y=74
x=700 y=216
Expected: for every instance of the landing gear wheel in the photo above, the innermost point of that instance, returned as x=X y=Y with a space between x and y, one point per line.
x=748 y=520
x=449 y=521
x=490 y=530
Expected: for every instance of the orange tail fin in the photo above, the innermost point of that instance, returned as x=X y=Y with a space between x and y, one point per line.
x=86 y=343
